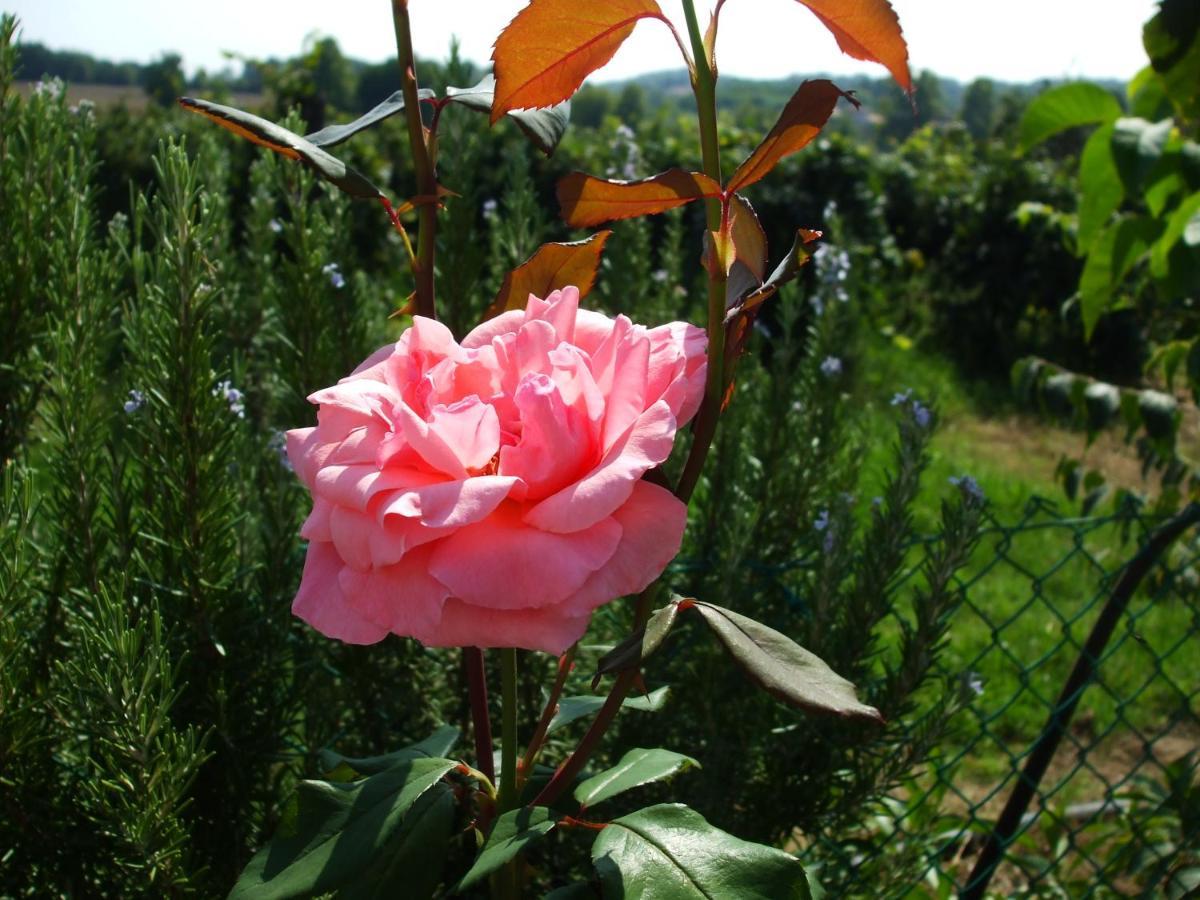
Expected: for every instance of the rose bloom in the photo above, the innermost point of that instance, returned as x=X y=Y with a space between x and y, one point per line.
x=490 y=493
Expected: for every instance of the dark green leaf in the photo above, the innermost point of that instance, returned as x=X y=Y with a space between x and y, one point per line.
x=1066 y=107
x=1100 y=188
x=1115 y=252
x=580 y=890
x=1160 y=416
x=782 y=667
x=1172 y=41
x=572 y=708
x=669 y=852
x=332 y=832
x=438 y=744
x=636 y=648
x=332 y=135
x=544 y=127
x=288 y=143
x=512 y=833
x=410 y=866
x=1184 y=224
x=1138 y=145
x=637 y=767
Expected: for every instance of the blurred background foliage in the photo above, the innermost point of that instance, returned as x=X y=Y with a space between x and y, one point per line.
x=171 y=297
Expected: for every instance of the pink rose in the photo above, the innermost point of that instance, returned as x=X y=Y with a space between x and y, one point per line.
x=490 y=493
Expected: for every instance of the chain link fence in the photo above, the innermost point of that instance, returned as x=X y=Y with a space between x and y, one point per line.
x=1114 y=797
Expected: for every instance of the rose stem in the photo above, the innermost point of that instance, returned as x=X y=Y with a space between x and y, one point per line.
x=480 y=719
x=704 y=79
x=422 y=162
x=508 y=729
x=565 y=663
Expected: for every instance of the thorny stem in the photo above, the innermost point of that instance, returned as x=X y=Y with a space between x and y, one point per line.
x=422 y=162
x=480 y=719
x=565 y=664
x=704 y=80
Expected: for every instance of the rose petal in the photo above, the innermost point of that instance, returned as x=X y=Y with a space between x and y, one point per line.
x=403 y=598
x=676 y=368
x=652 y=524
x=456 y=439
x=465 y=625
x=559 y=308
x=502 y=563
x=449 y=504
x=356 y=485
x=321 y=603
x=556 y=444
x=599 y=493
x=483 y=333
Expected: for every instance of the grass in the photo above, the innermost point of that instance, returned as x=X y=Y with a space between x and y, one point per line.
x=1034 y=592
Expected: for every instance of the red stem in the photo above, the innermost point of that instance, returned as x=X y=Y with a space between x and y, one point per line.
x=566 y=662
x=480 y=718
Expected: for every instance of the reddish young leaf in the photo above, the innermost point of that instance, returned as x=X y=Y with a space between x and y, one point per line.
x=551 y=267
x=587 y=201
x=748 y=236
x=867 y=29
x=801 y=121
x=544 y=54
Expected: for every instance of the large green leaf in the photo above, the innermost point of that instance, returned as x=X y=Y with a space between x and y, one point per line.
x=1113 y=254
x=287 y=143
x=1172 y=41
x=637 y=767
x=1100 y=188
x=347 y=768
x=544 y=127
x=636 y=648
x=669 y=852
x=331 y=833
x=1184 y=224
x=511 y=834
x=411 y=864
x=782 y=667
x=332 y=135
x=1138 y=145
x=573 y=708
x=1063 y=107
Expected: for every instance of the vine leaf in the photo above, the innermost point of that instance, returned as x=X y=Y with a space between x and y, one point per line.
x=867 y=30
x=669 y=852
x=801 y=120
x=287 y=143
x=587 y=201
x=544 y=54
x=551 y=267
x=781 y=666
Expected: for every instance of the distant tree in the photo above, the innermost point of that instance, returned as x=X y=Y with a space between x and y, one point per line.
x=979 y=108
x=631 y=103
x=163 y=79
x=590 y=105
x=900 y=119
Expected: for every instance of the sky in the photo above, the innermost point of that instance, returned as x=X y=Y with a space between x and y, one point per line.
x=1008 y=40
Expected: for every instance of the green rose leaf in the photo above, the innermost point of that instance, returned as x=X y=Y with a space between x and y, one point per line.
x=332 y=135
x=637 y=767
x=438 y=744
x=638 y=647
x=512 y=833
x=411 y=864
x=286 y=143
x=782 y=667
x=544 y=127
x=669 y=852
x=1063 y=107
x=332 y=833
x=572 y=708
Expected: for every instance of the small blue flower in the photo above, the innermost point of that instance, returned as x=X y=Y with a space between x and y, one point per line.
x=969 y=486
x=233 y=397
x=901 y=397
x=831 y=366
x=975 y=683
x=134 y=403
x=278 y=443
x=275 y=225
x=333 y=270
x=822 y=521
x=490 y=206
x=921 y=414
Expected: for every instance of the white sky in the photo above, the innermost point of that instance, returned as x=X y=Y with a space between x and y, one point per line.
x=1011 y=40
